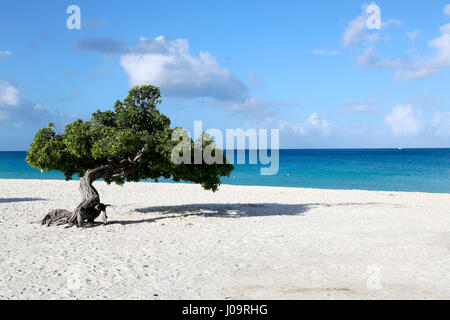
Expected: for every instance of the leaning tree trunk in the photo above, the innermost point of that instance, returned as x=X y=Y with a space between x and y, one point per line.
x=90 y=207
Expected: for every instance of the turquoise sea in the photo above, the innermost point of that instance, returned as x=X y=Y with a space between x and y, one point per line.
x=423 y=170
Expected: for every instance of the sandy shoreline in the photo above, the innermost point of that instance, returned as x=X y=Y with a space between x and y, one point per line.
x=180 y=242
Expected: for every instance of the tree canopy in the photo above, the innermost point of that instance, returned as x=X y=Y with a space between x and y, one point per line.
x=129 y=143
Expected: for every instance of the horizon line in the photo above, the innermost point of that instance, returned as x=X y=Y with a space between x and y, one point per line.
x=355 y=148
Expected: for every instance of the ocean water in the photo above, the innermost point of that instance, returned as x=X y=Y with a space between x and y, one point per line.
x=418 y=170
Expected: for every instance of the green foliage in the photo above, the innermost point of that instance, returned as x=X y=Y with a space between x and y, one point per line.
x=133 y=142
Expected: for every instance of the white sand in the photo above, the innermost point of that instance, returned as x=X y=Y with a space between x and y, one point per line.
x=181 y=242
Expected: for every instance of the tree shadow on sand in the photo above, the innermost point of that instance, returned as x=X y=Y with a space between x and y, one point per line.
x=11 y=200
x=238 y=210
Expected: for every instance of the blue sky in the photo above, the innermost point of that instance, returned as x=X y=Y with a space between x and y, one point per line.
x=312 y=69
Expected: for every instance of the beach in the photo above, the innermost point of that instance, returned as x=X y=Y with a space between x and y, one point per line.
x=177 y=241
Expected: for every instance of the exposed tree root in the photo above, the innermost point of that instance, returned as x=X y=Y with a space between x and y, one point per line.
x=88 y=210
x=57 y=217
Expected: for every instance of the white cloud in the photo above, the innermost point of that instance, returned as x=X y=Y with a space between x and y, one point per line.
x=315 y=121
x=415 y=73
x=4 y=54
x=424 y=67
x=250 y=104
x=418 y=67
x=167 y=63
x=427 y=101
x=314 y=124
x=29 y=113
x=253 y=107
x=442 y=46
x=361 y=106
x=20 y=111
x=413 y=34
x=9 y=95
x=440 y=124
x=413 y=50
x=405 y=69
x=358 y=35
x=321 y=52
x=41 y=107
x=368 y=58
x=358 y=108
x=393 y=22
x=355 y=31
x=403 y=120
x=447 y=10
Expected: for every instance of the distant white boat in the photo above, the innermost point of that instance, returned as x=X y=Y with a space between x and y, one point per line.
x=42 y=171
x=400 y=148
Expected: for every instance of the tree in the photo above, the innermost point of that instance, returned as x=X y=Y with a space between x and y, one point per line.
x=131 y=143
